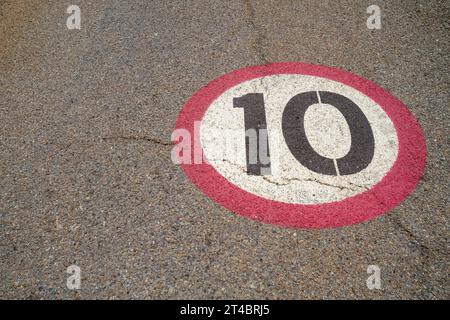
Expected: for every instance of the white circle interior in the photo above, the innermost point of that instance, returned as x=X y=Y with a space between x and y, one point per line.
x=222 y=136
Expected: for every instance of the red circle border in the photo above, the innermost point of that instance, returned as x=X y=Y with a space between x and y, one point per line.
x=397 y=184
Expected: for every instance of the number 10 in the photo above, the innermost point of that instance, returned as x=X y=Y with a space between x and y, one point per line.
x=362 y=141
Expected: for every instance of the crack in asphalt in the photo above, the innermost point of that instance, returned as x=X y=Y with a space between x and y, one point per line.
x=289 y=180
x=425 y=252
x=415 y=239
x=260 y=37
x=134 y=138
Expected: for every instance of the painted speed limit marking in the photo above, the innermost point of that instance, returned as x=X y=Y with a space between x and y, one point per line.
x=300 y=145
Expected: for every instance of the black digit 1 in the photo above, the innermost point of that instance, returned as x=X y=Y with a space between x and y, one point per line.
x=362 y=144
x=256 y=139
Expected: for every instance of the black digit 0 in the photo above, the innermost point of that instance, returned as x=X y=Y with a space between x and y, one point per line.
x=362 y=144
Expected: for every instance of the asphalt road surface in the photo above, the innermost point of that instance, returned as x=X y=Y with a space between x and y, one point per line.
x=86 y=173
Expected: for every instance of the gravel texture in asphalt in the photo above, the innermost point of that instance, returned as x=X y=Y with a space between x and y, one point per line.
x=86 y=174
